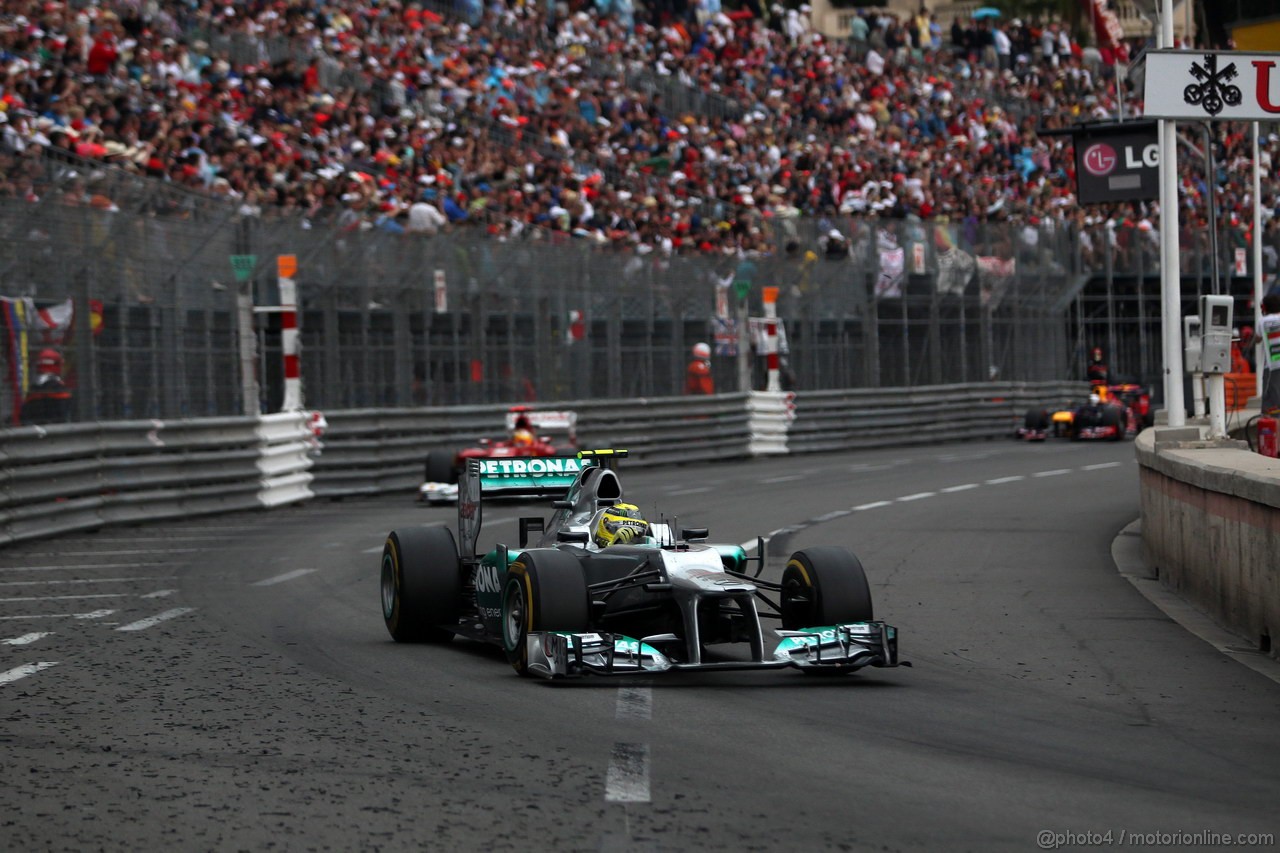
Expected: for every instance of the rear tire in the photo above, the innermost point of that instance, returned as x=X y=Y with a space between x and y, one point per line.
x=1036 y=419
x=544 y=591
x=824 y=585
x=421 y=583
x=439 y=467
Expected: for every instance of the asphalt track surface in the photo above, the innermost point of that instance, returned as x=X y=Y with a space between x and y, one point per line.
x=227 y=683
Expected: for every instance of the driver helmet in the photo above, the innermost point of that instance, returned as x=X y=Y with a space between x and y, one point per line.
x=702 y=351
x=1095 y=399
x=522 y=438
x=619 y=524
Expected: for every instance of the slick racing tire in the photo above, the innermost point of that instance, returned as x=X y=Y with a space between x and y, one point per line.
x=439 y=467
x=1112 y=416
x=824 y=585
x=421 y=584
x=544 y=591
x=1036 y=419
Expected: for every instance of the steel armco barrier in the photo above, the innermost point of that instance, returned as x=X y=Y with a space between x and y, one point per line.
x=382 y=450
x=64 y=478
x=371 y=451
x=843 y=420
x=72 y=477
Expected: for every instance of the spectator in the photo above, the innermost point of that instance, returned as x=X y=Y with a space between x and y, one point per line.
x=48 y=399
x=697 y=376
x=1269 y=337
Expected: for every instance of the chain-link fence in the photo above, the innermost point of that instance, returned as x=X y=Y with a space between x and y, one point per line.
x=408 y=320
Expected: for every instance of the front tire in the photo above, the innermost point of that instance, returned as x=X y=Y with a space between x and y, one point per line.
x=824 y=585
x=420 y=584
x=544 y=591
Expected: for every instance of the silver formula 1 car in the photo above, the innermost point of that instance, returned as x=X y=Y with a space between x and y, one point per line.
x=561 y=605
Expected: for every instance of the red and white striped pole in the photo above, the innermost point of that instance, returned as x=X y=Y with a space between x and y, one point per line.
x=771 y=337
x=286 y=267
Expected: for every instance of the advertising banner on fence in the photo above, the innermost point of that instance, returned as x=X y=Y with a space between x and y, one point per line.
x=1227 y=85
x=1118 y=162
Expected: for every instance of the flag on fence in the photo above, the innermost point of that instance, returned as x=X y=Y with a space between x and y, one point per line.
x=995 y=274
x=31 y=329
x=892 y=269
x=725 y=335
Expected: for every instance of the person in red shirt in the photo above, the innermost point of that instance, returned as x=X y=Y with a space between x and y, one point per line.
x=697 y=376
x=103 y=54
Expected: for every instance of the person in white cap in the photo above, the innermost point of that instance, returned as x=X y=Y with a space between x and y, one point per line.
x=697 y=376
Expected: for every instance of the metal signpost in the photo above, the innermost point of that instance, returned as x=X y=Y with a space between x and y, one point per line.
x=1210 y=86
x=243 y=266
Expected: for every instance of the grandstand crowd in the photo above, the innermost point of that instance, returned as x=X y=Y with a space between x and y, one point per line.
x=558 y=121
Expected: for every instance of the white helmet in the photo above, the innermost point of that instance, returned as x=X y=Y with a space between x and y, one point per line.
x=701 y=350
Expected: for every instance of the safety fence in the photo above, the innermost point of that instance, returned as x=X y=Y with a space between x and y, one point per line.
x=70 y=477
x=404 y=321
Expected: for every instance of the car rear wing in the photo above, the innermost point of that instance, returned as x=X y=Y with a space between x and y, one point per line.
x=517 y=476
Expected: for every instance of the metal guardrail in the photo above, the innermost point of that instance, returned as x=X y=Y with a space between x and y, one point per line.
x=844 y=420
x=68 y=477
x=370 y=451
x=71 y=477
x=380 y=450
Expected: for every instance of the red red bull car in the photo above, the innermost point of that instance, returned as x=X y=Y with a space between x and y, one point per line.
x=529 y=433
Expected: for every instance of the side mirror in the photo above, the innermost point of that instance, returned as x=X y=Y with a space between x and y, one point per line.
x=693 y=534
x=562 y=504
x=580 y=537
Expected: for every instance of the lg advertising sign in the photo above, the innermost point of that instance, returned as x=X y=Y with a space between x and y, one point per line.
x=1117 y=162
x=1223 y=85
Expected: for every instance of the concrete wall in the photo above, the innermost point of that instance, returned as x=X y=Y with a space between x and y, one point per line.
x=1211 y=527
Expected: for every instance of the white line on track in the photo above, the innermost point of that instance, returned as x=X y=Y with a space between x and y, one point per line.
x=191 y=537
x=872 y=505
x=82 y=580
x=832 y=516
x=917 y=496
x=1100 y=465
x=628 y=777
x=32 y=668
x=143 y=624
x=963 y=487
x=635 y=703
x=160 y=593
x=784 y=479
x=129 y=553
x=373 y=550
x=1000 y=480
x=93 y=614
x=697 y=491
x=73 y=567
x=63 y=597
x=287 y=576
x=1056 y=472
x=25 y=639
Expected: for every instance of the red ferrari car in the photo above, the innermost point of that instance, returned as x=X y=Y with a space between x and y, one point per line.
x=529 y=433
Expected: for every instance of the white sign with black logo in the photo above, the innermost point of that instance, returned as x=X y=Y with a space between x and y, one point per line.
x=1225 y=85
